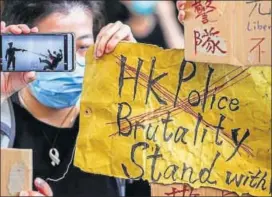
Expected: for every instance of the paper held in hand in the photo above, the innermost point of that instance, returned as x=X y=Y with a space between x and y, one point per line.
x=230 y=32
x=146 y=113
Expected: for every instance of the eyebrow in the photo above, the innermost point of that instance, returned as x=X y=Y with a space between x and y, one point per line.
x=85 y=36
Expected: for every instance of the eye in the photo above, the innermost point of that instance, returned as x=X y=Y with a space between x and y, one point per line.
x=84 y=47
x=81 y=50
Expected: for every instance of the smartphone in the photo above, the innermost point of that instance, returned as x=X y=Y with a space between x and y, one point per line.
x=37 y=52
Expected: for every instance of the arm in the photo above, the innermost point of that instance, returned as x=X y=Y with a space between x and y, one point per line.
x=23 y=50
x=171 y=28
x=15 y=49
x=61 y=55
x=50 y=54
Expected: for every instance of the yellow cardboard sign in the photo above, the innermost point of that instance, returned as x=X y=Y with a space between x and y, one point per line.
x=147 y=113
x=231 y=32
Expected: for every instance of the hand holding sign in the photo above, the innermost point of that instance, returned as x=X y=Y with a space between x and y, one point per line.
x=181 y=9
x=14 y=81
x=43 y=189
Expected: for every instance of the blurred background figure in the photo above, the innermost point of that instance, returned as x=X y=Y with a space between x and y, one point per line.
x=151 y=22
x=1 y=6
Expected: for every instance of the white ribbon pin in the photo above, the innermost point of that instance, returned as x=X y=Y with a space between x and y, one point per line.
x=54 y=156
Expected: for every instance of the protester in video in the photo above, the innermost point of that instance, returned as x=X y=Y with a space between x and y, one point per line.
x=155 y=22
x=10 y=56
x=46 y=104
x=55 y=60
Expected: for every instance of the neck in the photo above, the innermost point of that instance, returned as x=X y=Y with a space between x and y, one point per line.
x=62 y=118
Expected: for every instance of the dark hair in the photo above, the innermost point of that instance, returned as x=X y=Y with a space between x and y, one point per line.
x=31 y=12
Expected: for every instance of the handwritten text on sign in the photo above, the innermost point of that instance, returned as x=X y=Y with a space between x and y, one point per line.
x=213 y=32
x=147 y=113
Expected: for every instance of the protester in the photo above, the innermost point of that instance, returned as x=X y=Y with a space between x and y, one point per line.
x=46 y=110
x=155 y=22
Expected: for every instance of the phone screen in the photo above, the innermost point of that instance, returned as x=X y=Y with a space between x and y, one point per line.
x=37 y=52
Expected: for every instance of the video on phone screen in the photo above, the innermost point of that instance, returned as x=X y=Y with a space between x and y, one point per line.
x=36 y=53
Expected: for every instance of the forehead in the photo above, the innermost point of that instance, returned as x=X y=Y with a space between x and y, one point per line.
x=77 y=21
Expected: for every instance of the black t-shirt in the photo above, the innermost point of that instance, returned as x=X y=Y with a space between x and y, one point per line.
x=30 y=135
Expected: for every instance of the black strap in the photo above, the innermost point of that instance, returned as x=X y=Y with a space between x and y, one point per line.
x=8 y=128
x=11 y=129
x=13 y=124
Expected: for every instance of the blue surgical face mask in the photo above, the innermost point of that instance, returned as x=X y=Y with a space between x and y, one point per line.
x=143 y=7
x=59 y=89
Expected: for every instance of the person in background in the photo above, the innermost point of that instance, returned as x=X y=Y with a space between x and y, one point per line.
x=155 y=22
x=1 y=6
x=46 y=104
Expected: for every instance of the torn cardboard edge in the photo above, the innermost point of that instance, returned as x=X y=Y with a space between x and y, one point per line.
x=16 y=171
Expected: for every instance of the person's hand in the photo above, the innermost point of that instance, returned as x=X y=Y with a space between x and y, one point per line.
x=42 y=187
x=12 y=82
x=181 y=9
x=110 y=36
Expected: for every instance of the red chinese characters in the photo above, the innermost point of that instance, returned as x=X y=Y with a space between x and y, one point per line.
x=202 y=8
x=209 y=42
x=185 y=191
x=226 y=193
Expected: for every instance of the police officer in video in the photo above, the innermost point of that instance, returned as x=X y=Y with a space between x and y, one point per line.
x=10 y=55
